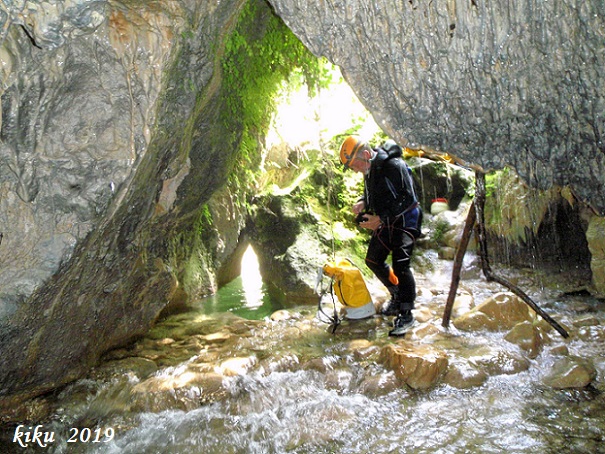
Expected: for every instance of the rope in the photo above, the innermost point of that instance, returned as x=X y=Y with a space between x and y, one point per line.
x=330 y=191
x=333 y=320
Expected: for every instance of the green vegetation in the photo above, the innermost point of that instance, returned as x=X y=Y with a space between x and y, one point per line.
x=263 y=57
x=260 y=56
x=512 y=210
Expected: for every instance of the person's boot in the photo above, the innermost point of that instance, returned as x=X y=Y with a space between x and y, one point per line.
x=403 y=322
x=392 y=306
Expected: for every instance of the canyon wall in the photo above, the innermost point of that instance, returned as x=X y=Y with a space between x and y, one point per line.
x=513 y=83
x=115 y=134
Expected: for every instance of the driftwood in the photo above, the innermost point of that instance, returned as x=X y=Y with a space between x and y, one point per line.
x=460 y=252
x=476 y=215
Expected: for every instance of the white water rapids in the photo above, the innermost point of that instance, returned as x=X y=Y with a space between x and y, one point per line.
x=281 y=404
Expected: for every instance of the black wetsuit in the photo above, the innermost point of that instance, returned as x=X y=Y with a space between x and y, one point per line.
x=389 y=193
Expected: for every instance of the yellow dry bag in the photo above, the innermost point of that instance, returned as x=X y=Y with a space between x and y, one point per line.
x=350 y=288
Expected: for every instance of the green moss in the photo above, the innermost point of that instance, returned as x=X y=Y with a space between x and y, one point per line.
x=260 y=56
x=512 y=210
x=440 y=228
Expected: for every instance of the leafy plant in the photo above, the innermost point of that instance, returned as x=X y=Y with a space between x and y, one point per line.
x=262 y=54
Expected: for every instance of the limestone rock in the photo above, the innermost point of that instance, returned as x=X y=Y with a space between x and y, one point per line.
x=571 y=372
x=526 y=336
x=462 y=375
x=289 y=247
x=560 y=350
x=475 y=320
x=379 y=385
x=113 y=144
x=423 y=314
x=236 y=366
x=501 y=311
x=586 y=320
x=419 y=366
x=139 y=367
x=160 y=393
x=595 y=235
x=463 y=303
x=281 y=315
x=496 y=361
x=526 y=129
x=426 y=330
x=447 y=253
x=96 y=180
x=592 y=333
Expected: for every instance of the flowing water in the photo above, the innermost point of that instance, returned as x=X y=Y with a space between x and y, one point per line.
x=225 y=379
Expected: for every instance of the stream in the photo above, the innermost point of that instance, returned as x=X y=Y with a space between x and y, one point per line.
x=226 y=377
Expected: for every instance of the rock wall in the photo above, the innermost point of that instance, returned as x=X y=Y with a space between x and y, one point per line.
x=596 y=243
x=112 y=141
x=111 y=148
x=495 y=83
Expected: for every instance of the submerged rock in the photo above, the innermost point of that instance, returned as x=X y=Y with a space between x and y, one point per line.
x=185 y=391
x=379 y=385
x=499 y=312
x=497 y=361
x=462 y=374
x=571 y=372
x=114 y=142
x=527 y=336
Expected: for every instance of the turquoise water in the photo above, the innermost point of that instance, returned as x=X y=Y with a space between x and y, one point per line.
x=252 y=303
x=246 y=296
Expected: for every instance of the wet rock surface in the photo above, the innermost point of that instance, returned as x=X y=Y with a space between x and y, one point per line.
x=192 y=359
x=102 y=180
x=501 y=311
x=95 y=104
x=467 y=77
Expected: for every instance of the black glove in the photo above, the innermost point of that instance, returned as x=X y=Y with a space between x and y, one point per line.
x=361 y=217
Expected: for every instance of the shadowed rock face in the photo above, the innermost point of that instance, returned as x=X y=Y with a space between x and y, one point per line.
x=111 y=145
x=495 y=83
x=111 y=139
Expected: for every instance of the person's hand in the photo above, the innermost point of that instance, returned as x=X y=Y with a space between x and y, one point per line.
x=372 y=222
x=359 y=207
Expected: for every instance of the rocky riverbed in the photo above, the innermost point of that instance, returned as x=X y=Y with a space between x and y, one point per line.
x=288 y=370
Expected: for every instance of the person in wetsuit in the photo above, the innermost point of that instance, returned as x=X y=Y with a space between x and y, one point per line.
x=390 y=209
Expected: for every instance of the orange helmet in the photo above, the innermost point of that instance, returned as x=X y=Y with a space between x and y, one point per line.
x=349 y=149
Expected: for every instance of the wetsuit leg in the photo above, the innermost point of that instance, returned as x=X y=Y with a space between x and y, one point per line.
x=378 y=251
x=402 y=254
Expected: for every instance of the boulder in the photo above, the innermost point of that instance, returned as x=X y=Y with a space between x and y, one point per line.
x=419 y=366
x=463 y=303
x=571 y=372
x=501 y=311
x=379 y=385
x=528 y=337
x=462 y=375
x=289 y=247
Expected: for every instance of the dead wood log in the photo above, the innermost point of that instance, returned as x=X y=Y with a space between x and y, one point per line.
x=476 y=217
x=460 y=252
